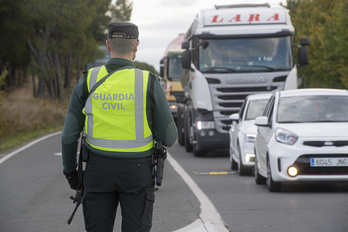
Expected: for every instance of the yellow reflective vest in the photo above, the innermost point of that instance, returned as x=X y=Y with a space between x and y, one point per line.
x=116 y=111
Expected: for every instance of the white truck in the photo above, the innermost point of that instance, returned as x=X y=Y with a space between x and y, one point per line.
x=233 y=51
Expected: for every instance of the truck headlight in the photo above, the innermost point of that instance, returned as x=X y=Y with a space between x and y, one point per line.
x=250 y=138
x=205 y=125
x=285 y=136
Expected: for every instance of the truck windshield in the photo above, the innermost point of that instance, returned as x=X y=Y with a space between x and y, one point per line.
x=174 y=65
x=245 y=55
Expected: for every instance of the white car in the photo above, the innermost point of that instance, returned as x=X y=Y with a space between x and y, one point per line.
x=243 y=133
x=302 y=136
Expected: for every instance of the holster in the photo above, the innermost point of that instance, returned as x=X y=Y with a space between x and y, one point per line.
x=85 y=153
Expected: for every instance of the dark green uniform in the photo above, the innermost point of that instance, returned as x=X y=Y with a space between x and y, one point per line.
x=117 y=177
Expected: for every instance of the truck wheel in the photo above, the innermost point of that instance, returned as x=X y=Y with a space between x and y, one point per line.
x=198 y=153
x=187 y=125
x=179 y=124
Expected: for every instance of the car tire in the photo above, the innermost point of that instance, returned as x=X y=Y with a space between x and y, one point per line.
x=258 y=178
x=272 y=186
x=234 y=164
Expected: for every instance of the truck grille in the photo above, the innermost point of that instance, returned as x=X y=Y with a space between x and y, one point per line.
x=246 y=89
x=228 y=98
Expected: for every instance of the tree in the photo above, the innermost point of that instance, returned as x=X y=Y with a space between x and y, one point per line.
x=52 y=38
x=325 y=23
x=121 y=11
x=13 y=33
x=61 y=33
x=145 y=66
x=335 y=40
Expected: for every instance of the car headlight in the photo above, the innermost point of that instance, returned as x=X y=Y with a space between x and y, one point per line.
x=205 y=125
x=250 y=138
x=285 y=136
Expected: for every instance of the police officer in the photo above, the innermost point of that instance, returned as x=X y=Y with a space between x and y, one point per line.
x=121 y=118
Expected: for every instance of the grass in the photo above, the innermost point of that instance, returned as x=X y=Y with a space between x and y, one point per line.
x=24 y=118
x=10 y=142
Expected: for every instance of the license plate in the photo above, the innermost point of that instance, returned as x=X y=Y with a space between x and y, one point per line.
x=329 y=162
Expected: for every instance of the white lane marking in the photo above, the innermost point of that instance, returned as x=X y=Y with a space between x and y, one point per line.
x=60 y=153
x=210 y=220
x=6 y=157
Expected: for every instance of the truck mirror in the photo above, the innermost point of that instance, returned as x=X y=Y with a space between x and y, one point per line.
x=161 y=71
x=162 y=67
x=185 y=45
x=303 y=55
x=186 y=60
x=305 y=41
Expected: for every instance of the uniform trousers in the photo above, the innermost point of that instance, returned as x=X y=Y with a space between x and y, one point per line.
x=109 y=182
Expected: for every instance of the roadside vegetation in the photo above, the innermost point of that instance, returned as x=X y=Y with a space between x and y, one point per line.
x=325 y=23
x=24 y=118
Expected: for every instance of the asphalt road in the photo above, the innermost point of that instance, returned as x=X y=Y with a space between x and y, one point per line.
x=34 y=197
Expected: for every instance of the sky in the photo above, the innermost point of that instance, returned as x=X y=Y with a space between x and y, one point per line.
x=161 y=21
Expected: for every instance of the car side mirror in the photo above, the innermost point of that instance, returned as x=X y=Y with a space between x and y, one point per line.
x=262 y=121
x=234 y=117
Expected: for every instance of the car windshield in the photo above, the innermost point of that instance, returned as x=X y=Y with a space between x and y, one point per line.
x=316 y=108
x=245 y=55
x=255 y=108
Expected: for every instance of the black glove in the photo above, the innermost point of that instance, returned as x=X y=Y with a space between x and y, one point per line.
x=72 y=179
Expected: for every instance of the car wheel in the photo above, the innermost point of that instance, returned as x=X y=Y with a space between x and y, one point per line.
x=242 y=170
x=234 y=164
x=272 y=186
x=258 y=178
